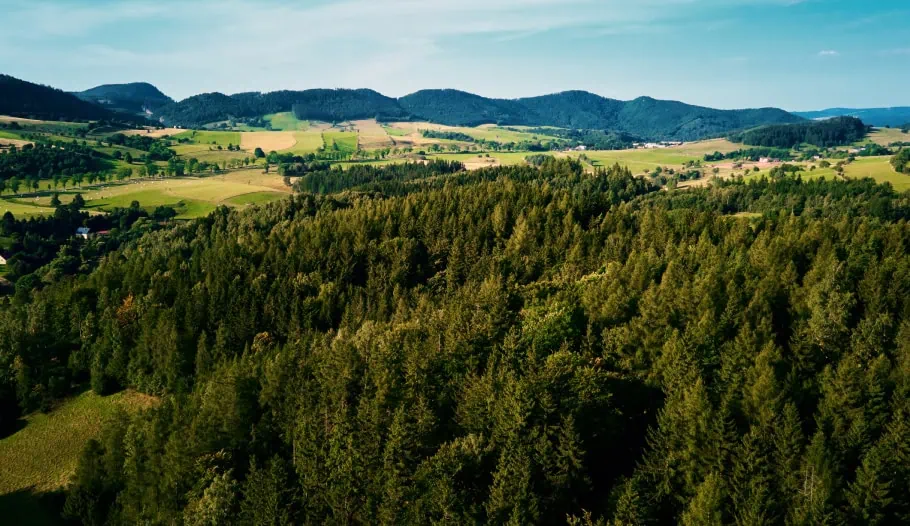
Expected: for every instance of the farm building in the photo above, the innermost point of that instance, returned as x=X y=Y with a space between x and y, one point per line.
x=83 y=232
x=2 y=260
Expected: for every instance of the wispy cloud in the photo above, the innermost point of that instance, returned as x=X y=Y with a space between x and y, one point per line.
x=828 y=53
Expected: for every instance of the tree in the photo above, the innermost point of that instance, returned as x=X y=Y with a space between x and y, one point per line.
x=128 y=158
x=55 y=200
x=78 y=203
x=14 y=185
x=258 y=153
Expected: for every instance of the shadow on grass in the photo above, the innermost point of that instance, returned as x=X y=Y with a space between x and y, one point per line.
x=29 y=507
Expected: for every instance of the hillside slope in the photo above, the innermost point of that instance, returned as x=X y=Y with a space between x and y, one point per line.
x=134 y=97
x=644 y=117
x=25 y=99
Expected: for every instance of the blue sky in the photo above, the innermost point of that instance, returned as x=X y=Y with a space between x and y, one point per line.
x=794 y=54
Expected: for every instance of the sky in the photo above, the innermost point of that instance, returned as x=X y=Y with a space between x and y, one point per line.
x=792 y=54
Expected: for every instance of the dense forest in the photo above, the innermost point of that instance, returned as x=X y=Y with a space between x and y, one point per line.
x=25 y=99
x=44 y=160
x=521 y=345
x=643 y=117
x=881 y=117
x=591 y=139
x=838 y=131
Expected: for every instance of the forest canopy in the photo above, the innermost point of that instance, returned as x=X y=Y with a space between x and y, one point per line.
x=524 y=344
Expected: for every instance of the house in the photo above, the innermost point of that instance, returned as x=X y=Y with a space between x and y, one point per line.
x=764 y=160
x=581 y=148
x=2 y=260
x=83 y=232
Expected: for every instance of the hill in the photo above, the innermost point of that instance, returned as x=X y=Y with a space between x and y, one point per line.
x=837 y=131
x=643 y=117
x=880 y=117
x=320 y=104
x=19 y=98
x=135 y=97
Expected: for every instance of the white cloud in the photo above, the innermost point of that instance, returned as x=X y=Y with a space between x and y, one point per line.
x=828 y=53
x=240 y=45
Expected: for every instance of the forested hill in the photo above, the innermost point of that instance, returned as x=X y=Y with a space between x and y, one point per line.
x=133 y=97
x=419 y=344
x=25 y=99
x=643 y=117
x=317 y=104
x=838 y=131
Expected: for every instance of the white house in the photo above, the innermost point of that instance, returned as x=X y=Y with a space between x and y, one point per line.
x=83 y=232
x=2 y=260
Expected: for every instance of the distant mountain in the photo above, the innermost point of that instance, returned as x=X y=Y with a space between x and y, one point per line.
x=644 y=117
x=25 y=99
x=880 y=117
x=136 y=97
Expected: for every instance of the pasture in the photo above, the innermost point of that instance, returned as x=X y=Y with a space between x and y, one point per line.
x=215 y=138
x=340 y=141
x=191 y=197
x=287 y=121
x=886 y=136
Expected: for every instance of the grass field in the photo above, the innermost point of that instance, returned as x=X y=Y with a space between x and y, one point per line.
x=21 y=211
x=286 y=121
x=215 y=138
x=255 y=198
x=886 y=136
x=342 y=141
x=191 y=197
x=42 y=456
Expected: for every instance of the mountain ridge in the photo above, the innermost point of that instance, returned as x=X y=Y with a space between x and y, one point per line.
x=644 y=116
x=891 y=116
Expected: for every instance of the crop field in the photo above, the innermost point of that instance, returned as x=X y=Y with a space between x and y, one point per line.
x=342 y=141
x=269 y=141
x=371 y=135
x=41 y=457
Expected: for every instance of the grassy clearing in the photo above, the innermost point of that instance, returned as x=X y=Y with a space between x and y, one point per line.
x=255 y=198
x=216 y=138
x=886 y=136
x=340 y=141
x=307 y=142
x=287 y=121
x=41 y=457
x=21 y=210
